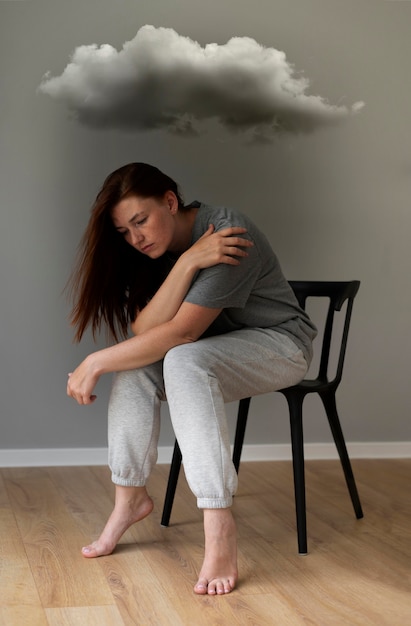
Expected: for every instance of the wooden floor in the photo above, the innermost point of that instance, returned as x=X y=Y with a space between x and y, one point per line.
x=356 y=572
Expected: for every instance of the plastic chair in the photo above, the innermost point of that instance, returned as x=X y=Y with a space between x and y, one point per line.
x=337 y=293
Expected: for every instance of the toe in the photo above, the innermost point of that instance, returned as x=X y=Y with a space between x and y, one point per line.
x=219 y=587
x=228 y=586
x=89 y=551
x=201 y=586
x=216 y=586
x=95 y=550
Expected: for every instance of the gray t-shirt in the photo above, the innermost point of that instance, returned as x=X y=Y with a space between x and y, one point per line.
x=252 y=294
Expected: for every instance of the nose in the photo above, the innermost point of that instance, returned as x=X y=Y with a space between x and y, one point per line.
x=136 y=238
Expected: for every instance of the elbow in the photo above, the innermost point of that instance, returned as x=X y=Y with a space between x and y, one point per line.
x=182 y=333
x=137 y=328
x=178 y=343
x=186 y=338
x=134 y=326
x=190 y=338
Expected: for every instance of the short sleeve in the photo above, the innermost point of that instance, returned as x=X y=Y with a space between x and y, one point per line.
x=224 y=286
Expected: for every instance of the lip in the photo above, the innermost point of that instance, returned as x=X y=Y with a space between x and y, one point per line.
x=146 y=248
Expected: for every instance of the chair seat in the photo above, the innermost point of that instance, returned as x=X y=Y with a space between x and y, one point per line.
x=309 y=385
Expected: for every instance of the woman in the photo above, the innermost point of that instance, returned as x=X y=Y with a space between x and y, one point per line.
x=213 y=320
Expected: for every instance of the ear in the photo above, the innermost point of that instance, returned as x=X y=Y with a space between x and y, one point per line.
x=172 y=202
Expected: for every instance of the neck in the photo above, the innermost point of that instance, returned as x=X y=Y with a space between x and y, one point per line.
x=184 y=229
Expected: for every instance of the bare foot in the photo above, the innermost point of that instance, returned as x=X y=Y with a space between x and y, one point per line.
x=219 y=573
x=132 y=504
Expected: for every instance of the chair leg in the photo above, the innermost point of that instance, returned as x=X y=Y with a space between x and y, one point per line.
x=242 y=415
x=171 y=485
x=295 y=403
x=330 y=406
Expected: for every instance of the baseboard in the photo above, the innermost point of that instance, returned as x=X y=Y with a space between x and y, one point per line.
x=49 y=457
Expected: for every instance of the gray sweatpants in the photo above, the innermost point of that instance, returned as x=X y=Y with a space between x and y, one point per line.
x=196 y=379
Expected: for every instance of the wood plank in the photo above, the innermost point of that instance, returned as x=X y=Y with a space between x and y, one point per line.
x=22 y=615
x=91 y=505
x=356 y=572
x=139 y=594
x=17 y=586
x=153 y=584
x=62 y=576
x=326 y=594
x=264 y=610
x=84 y=616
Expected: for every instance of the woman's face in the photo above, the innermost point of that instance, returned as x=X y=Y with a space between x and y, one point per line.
x=147 y=224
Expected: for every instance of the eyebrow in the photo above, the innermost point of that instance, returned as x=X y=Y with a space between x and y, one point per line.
x=135 y=216
x=130 y=221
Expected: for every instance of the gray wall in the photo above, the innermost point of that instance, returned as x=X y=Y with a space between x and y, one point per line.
x=335 y=204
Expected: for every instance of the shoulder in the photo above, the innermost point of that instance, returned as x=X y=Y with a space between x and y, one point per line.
x=221 y=217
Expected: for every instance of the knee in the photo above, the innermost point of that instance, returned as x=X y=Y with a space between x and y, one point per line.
x=183 y=359
x=174 y=360
x=139 y=378
x=124 y=379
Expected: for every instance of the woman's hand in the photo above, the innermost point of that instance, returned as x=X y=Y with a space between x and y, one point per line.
x=222 y=246
x=82 y=381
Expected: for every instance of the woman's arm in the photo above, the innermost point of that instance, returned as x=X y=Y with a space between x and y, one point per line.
x=212 y=248
x=189 y=323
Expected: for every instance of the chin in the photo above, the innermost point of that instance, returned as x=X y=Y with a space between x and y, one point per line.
x=155 y=254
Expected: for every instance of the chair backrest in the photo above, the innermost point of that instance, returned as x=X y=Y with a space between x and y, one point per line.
x=337 y=292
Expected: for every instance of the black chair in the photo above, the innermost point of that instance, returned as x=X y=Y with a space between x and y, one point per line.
x=337 y=293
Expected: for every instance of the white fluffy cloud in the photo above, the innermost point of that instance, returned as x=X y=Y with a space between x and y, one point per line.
x=163 y=80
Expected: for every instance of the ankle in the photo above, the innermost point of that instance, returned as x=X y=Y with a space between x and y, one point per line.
x=130 y=495
x=219 y=522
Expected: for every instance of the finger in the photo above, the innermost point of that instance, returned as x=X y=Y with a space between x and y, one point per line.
x=232 y=230
x=230 y=260
x=88 y=399
x=239 y=241
x=234 y=251
x=208 y=232
x=72 y=394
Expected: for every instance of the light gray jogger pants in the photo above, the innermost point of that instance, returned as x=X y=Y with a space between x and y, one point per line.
x=197 y=379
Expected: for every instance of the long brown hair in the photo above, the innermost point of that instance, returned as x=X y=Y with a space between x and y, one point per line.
x=112 y=281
